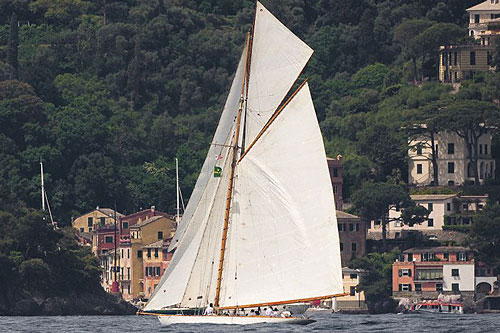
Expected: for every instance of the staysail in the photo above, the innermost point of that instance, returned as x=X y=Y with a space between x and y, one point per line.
x=222 y=134
x=281 y=245
x=190 y=232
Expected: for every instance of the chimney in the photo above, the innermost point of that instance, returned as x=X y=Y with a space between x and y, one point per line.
x=339 y=157
x=153 y=209
x=97 y=207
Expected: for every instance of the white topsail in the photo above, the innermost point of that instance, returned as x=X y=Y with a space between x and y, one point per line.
x=282 y=243
x=278 y=57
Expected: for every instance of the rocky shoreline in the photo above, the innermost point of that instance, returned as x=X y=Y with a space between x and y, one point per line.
x=72 y=305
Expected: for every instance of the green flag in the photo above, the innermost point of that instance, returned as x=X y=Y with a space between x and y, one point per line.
x=217 y=171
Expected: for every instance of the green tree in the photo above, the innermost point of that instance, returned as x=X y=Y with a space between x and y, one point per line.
x=384 y=146
x=406 y=34
x=484 y=236
x=373 y=201
x=377 y=283
x=35 y=275
x=422 y=130
x=13 y=46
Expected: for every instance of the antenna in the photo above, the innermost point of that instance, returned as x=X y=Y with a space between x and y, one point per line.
x=178 y=217
x=43 y=185
x=44 y=195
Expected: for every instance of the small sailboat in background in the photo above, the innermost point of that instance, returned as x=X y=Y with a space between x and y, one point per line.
x=45 y=198
x=260 y=228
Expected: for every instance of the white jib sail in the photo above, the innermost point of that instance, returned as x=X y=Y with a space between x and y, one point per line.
x=283 y=238
x=277 y=59
x=189 y=235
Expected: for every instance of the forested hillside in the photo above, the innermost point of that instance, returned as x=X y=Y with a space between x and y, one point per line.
x=108 y=93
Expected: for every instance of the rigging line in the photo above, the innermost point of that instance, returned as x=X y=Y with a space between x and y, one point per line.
x=248 y=68
x=199 y=248
x=272 y=119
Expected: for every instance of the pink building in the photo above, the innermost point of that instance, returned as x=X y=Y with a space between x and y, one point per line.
x=155 y=260
x=335 y=168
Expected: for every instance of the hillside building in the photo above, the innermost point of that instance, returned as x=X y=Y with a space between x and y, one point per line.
x=454 y=166
x=446 y=212
x=335 y=168
x=352 y=236
x=484 y=20
x=462 y=62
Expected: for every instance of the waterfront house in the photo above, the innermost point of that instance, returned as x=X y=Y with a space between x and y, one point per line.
x=88 y=222
x=355 y=301
x=425 y=273
x=155 y=260
x=147 y=232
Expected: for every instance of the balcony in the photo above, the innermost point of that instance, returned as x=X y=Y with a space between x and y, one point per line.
x=436 y=280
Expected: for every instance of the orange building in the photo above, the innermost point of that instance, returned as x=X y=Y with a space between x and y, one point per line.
x=155 y=260
x=425 y=273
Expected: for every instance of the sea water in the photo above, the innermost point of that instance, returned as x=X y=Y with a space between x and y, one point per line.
x=326 y=322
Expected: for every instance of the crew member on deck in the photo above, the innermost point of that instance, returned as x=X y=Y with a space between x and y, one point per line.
x=209 y=310
x=285 y=313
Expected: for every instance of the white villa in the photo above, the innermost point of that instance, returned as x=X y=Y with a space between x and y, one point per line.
x=445 y=209
x=454 y=167
x=484 y=20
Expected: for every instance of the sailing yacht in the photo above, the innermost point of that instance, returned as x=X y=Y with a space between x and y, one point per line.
x=260 y=228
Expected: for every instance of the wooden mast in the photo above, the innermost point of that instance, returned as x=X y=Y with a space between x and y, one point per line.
x=231 y=176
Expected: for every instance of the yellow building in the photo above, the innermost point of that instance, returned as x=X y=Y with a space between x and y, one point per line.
x=88 y=222
x=154 y=229
x=461 y=62
x=355 y=301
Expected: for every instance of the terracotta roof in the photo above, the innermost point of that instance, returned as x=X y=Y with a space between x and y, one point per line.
x=438 y=249
x=486 y=5
x=150 y=220
x=348 y=270
x=106 y=211
x=110 y=212
x=432 y=196
x=343 y=215
x=145 y=211
x=163 y=243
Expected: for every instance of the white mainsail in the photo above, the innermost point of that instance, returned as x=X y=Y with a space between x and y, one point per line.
x=282 y=243
x=278 y=58
x=283 y=232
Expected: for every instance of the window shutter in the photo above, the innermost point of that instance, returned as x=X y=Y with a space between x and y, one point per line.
x=409 y=272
